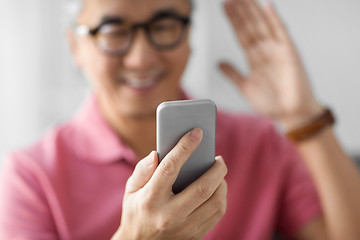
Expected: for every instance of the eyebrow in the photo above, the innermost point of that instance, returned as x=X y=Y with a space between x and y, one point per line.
x=111 y=19
x=158 y=14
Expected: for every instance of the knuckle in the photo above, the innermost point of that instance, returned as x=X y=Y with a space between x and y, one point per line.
x=219 y=199
x=222 y=198
x=224 y=187
x=219 y=202
x=204 y=191
x=168 y=167
x=220 y=214
x=164 y=223
x=147 y=204
x=222 y=206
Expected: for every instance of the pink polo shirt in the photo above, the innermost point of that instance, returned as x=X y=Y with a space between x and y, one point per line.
x=70 y=185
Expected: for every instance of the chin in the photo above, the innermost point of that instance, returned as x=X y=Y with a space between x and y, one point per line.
x=136 y=108
x=140 y=113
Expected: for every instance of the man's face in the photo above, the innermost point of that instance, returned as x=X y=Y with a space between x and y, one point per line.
x=133 y=84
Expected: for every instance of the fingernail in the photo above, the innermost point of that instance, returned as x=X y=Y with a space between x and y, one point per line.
x=196 y=134
x=220 y=158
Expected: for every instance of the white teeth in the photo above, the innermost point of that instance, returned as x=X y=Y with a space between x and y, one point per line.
x=144 y=83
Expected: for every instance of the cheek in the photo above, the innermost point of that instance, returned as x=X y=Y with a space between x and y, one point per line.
x=178 y=59
x=99 y=69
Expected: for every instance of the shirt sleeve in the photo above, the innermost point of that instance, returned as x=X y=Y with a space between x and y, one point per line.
x=24 y=213
x=300 y=203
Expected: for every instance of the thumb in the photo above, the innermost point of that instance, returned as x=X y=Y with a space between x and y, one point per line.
x=142 y=173
x=234 y=75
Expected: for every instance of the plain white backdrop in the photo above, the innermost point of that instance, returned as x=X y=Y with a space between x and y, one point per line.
x=39 y=87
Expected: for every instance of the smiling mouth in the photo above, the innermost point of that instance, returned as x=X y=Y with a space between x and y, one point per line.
x=141 y=83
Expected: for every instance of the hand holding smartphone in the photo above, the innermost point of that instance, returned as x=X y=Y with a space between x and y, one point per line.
x=173 y=120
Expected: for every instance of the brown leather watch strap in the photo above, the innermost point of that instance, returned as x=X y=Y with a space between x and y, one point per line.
x=313 y=127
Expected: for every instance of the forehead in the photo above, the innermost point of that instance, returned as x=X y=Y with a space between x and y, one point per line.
x=135 y=10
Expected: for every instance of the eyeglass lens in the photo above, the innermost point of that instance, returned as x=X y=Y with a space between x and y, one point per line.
x=163 y=33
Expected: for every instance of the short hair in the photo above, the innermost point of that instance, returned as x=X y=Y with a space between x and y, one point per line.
x=73 y=9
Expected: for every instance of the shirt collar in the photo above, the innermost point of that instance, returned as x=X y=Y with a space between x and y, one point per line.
x=95 y=140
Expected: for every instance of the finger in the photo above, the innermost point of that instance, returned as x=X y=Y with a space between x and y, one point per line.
x=168 y=169
x=211 y=212
x=216 y=203
x=250 y=22
x=234 y=20
x=257 y=18
x=211 y=222
x=202 y=189
x=276 y=24
x=230 y=72
x=142 y=173
x=240 y=22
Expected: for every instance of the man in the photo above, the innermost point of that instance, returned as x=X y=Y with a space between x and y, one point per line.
x=80 y=181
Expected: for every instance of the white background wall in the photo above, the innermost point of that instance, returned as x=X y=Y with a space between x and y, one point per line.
x=327 y=34
x=39 y=88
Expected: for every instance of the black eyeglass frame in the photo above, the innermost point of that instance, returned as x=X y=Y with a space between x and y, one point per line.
x=93 y=32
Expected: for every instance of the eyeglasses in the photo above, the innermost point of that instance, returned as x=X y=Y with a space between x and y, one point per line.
x=114 y=36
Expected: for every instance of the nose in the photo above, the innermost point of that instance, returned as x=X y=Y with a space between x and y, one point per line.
x=141 y=55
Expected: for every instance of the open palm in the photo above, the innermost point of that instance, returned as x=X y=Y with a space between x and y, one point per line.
x=277 y=85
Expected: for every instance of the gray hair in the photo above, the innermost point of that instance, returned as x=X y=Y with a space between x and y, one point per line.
x=73 y=8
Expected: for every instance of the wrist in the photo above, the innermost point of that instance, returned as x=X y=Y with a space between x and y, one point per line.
x=301 y=117
x=312 y=127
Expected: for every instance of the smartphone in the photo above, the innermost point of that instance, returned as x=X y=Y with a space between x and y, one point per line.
x=173 y=120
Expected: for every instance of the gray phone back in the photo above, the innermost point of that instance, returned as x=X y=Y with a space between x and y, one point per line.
x=176 y=118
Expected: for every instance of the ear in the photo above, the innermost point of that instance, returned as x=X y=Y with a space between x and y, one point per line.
x=74 y=47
